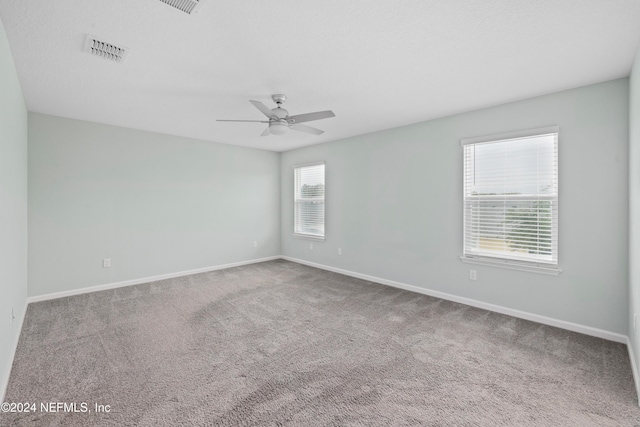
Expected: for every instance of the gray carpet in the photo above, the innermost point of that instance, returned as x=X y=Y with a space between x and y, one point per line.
x=279 y=343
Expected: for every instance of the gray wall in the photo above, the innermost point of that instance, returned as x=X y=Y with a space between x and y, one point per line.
x=394 y=206
x=634 y=206
x=13 y=207
x=154 y=204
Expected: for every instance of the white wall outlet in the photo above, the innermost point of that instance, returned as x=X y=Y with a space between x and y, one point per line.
x=255 y=243
x=339 y=251
x=310 y=246
x=106 y=263
x=473 y=275
x=634 y=321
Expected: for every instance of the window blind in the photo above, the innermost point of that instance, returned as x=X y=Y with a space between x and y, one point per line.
x=511 y=198
x=309 y=192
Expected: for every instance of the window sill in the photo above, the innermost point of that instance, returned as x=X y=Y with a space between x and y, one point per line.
x=513 y=265
x=308 y=236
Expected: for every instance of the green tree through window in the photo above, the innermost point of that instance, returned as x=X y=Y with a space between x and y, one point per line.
x=530 y=228
x=311 y=191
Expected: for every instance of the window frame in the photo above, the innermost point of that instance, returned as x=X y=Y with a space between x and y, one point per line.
x=295 y=205
x=550 y=268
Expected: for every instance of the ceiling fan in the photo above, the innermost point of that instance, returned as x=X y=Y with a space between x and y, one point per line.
x=280 y=121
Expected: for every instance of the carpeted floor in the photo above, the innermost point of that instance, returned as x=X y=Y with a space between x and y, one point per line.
x=279 y=343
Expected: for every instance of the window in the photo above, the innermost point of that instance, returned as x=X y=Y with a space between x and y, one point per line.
x=309 y=200
x=511 y=200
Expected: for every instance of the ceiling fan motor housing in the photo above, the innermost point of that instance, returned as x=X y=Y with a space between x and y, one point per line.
x=280 y=113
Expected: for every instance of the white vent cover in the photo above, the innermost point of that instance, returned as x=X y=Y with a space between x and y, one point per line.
x=187 y=6
x=105 y=50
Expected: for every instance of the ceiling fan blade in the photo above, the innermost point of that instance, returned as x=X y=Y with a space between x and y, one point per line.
x=308 y=117
x=266 y=132
x=265 y=110
x=256 y=121
x=306 y=129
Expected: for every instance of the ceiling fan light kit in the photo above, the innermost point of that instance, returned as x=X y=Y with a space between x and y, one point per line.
x=278 y=128
x=280 y=121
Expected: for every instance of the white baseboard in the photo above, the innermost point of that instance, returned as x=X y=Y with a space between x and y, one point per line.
x=634 y=369
x=104 y=287
x=575 y=327
x=3 y=387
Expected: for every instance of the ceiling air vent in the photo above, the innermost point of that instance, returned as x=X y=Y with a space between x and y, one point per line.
x=187 y=6
x=106 y=50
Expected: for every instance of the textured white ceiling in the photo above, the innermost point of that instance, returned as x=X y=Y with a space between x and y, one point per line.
x=376 y=64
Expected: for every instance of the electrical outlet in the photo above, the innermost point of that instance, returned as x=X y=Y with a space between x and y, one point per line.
x=473 y=275
x=339 y=251
x=634 y=321
x=255 y=243
x=106 y=263
x=310 y=246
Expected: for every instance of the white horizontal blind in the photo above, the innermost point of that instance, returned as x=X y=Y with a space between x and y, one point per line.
x=309 y=200
x=511 y=199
